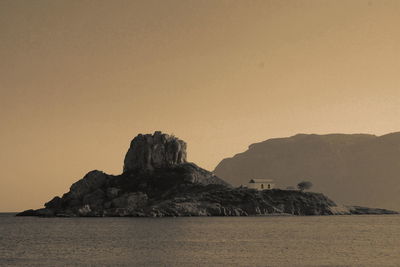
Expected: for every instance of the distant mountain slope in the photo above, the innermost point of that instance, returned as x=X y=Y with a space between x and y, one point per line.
x=354 y=169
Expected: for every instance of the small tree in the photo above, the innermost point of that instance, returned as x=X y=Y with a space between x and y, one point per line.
x=304 y=185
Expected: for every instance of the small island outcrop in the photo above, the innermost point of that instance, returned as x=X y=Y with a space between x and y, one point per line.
x=158 y=181
x=148 y=152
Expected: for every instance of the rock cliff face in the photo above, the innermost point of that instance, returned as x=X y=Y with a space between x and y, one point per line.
x=159 y=150
x=157 y=181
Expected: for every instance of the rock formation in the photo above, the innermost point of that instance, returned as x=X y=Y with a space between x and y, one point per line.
x=159 y=150
x=157 y=181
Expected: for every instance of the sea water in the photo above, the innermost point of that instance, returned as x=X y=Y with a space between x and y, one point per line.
x=201 y=241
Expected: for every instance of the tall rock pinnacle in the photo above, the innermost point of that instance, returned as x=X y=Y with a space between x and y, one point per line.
x=148 y=152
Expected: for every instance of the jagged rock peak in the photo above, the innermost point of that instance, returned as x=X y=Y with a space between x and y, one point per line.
x=150 y=151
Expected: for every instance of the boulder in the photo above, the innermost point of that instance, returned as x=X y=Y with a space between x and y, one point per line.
x=147 y=152
x=92 y=181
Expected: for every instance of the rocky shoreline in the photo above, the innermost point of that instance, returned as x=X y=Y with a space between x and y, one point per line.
x=157 y=181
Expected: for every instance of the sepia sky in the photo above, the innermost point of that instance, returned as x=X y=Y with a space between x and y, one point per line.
x=80 y=79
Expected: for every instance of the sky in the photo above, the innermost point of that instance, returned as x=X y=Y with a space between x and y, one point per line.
x=80 y=79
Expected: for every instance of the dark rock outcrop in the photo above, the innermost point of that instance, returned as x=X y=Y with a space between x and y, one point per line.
x=93 y=180
x=148 y=152
x=365 y=210
x=157 y=181
x=39 y=212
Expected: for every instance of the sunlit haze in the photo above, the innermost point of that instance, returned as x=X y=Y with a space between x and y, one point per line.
x=80 y=79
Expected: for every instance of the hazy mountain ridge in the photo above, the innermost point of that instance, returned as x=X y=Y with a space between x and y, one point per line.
x=351 y=168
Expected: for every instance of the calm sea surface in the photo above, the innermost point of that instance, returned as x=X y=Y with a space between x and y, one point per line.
x=243 y=241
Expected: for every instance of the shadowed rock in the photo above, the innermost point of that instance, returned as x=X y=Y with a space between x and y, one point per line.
x=91 y=181
x=159 y=150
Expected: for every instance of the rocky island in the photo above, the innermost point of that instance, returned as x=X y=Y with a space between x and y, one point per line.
x=158 y=181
